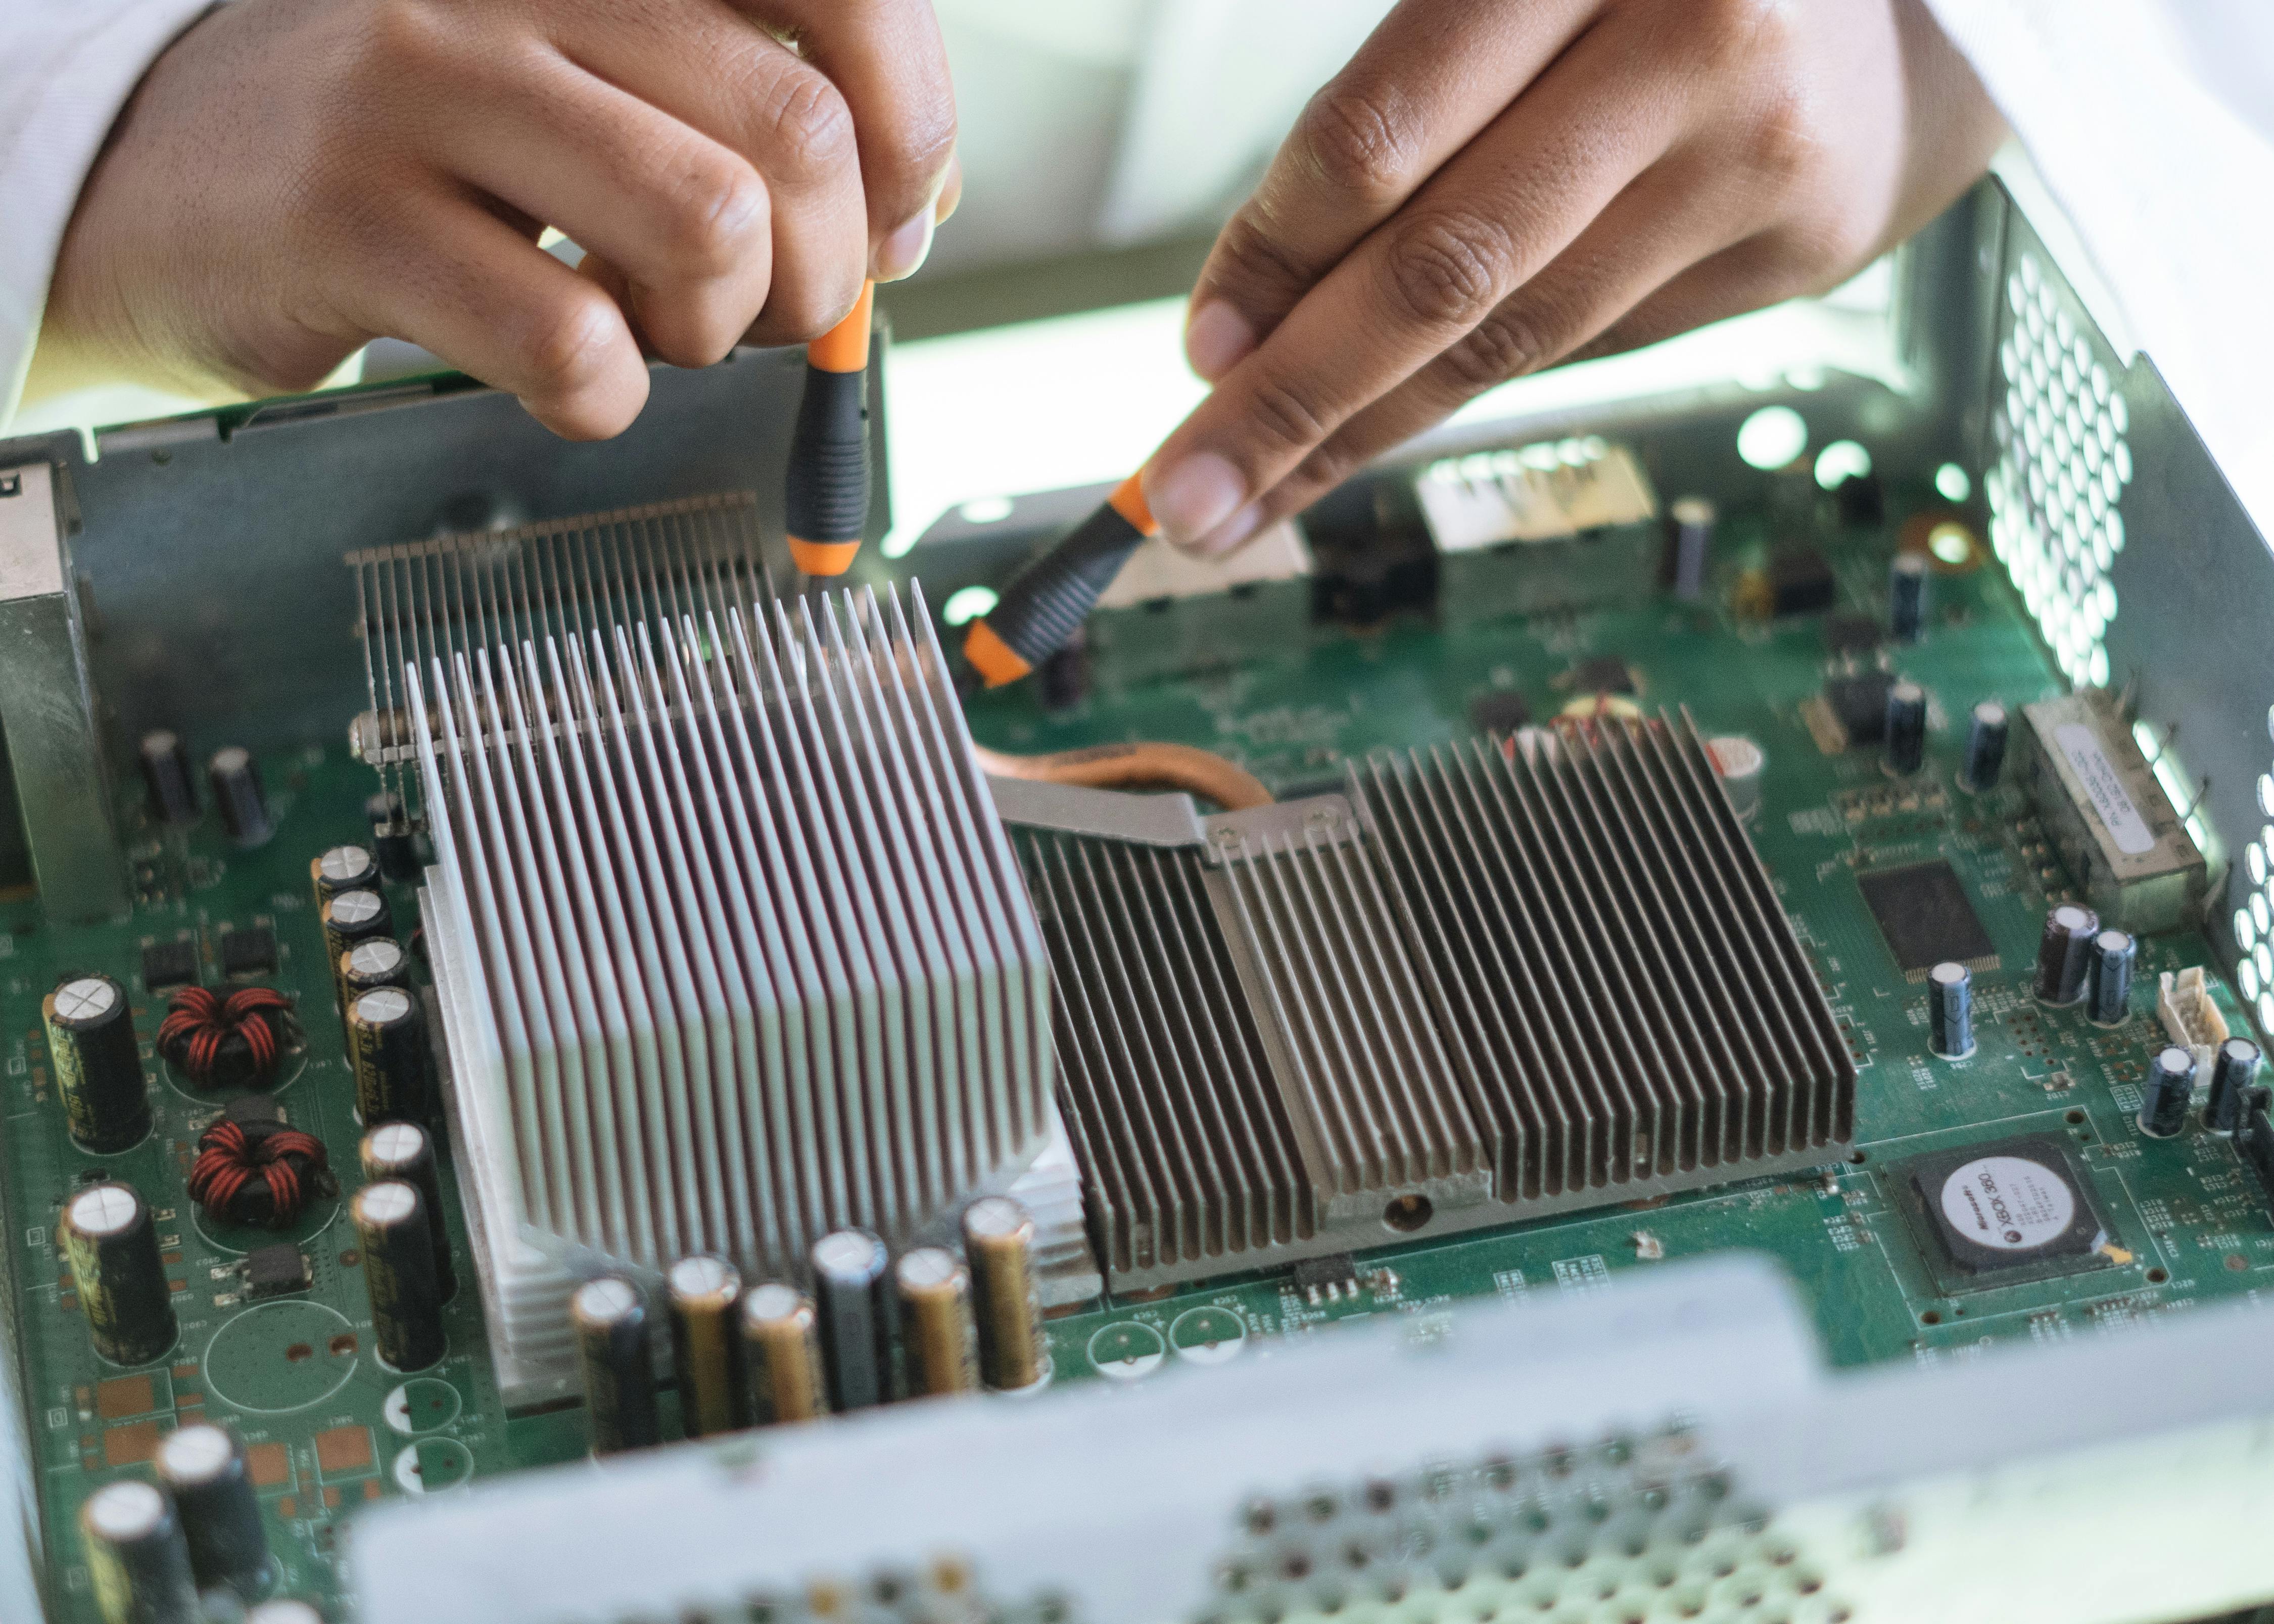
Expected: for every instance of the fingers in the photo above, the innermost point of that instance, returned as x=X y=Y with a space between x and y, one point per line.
x=490 y=303
x=683 y=224
x=716 y=71
x=1631 y=257
x=1490 y=218
x=887 y=61
x=1429 y=79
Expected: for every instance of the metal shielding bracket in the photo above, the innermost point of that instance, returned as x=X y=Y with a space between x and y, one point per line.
x=46 y=707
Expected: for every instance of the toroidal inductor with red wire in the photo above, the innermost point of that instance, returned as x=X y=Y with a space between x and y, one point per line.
x=232 y=1041
x=259 y=1172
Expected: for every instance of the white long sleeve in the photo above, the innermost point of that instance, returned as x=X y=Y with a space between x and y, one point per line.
x=66 y=68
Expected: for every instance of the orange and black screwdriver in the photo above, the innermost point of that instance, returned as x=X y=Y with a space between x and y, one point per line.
x=1052 y=594
x=826 y=504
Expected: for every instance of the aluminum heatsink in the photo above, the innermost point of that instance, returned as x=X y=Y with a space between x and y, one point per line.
x=731 y=945
x=1491 y=981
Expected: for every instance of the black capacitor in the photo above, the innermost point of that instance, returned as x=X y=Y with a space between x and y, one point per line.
x=404 y=1150
x=167 y=774
x=1691 y=522
x=1985 y=746
x=2163 y=1097
x=342 y=867
x=238 y=795
x=391 y=837
x=205 y=1469
x=98 y=1064
x=2115 y=953
x=610 y=1321
x=387 y=1047
x=1906 y=735
x=1950 y=1010
x=121 y=1279
x=349 y=917
x=1906 y=596
x=138 y=1562
x=396 y=1237
x=706 y=1351
x=2065 y=953
x=2232 y=1071
x=852 y=1291
x=382 y=961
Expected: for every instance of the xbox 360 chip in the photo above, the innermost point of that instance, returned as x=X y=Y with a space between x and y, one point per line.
x=1922 y=909
x=2014 y=1209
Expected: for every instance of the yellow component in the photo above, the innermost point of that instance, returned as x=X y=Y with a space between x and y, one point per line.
x=1128 y=501
x=996 y=661
x=823 y=558
x=1135 y=766
x=844 y=347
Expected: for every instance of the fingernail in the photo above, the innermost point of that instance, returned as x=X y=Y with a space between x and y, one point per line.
x=1215 y=339
x=1228 y=536
x=904 y=250
x=1191 y=497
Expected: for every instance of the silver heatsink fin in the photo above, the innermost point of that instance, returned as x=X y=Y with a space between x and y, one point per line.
x=737 y=952
x=1494 y=981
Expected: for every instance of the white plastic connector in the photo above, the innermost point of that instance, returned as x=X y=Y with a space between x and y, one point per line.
x=2183 y=1004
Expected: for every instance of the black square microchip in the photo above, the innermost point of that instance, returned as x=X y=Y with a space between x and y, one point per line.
x=2017 y=1209
x=1852 y=634
x=274 y=1271
x=1922 y=909
x=170 y=963
x=1604 y=673
x=249 y=951
x=1859 y=705
x=1800 y=582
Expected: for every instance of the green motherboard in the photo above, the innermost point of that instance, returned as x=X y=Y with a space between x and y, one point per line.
x=331 y=1430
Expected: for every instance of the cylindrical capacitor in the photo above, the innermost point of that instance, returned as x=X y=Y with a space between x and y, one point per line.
x=852 y=1292
x=998 y=1244
x=781 y=1356
x=367 y=965
x=205 y=1469
x=705 y=1351
x=404 y=1150
x=396 y=848
x=1906 y=596
x=1950 y=1010
x=2115 y=953
x=167 y=774
x=397 y=1242
x=98 y=1064
x=121 y=1277
x=937 y=1342
x=349 y=917
x=2232 y=1071
x=1906 y=735
x=2065 y=953
x=2163 y=1097
x=1985 y=746
x=610 y=1321
x=1738 y=763
x=238 y=795
x=387 y=1046
x=138 y=1563
x=343 y=868
x=1692 y=542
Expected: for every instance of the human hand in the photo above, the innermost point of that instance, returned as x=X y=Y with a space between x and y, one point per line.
x=294 y=177
x=1492 y=186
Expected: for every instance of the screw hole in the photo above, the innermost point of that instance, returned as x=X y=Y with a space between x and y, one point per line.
x=2158 y=1277
x=1931 y=1318
x=1408 y=1213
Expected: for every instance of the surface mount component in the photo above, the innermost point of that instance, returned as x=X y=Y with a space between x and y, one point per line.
x=728 y=944
x=170 y=963
x=275 y=1271
x=2121 y=840
x=1488 y=982
x=249 y=950
x=2017 y=1209
x=1563 y=524
x=1857 y=707
x=1800 y=582
x=1922 y=910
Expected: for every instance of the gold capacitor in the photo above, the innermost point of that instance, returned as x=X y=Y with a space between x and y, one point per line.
x=704 y=1292
x=998 y=1242
x=938 y=1344
x=781 y=1355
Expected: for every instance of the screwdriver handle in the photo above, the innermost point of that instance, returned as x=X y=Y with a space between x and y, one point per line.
x=826 y=502
x=1052 y=594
